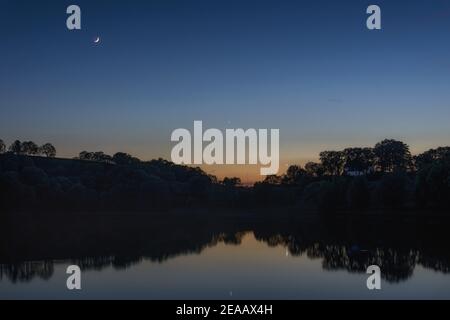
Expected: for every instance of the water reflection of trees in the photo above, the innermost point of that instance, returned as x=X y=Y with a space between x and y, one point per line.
x=397 y=246
x=26 y=271
x=28 y=250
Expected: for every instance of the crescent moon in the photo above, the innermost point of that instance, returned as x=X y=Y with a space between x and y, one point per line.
x=97 y=40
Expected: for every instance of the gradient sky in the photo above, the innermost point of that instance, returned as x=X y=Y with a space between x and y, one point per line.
x=309 y=68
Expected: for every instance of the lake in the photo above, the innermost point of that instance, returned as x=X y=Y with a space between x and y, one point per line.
x=206 y=257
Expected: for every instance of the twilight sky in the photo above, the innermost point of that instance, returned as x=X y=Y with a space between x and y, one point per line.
x=309 y=68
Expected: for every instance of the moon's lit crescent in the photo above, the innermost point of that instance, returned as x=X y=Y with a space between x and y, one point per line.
x=97 y=40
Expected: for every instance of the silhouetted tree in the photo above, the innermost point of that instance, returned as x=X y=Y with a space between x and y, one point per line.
x=392 y=155
x=359 y=159
x=314 y=169
x=99 y=156
x=102 y=157
x=48 y=150
x=29 y=148
x=293 y=174
x=333 y=162
x=433 y=155
x=213 y=179
x=85 y=155
x=432 y=185
x=16 y=147
x=124 y=159
x=231 y=182
x=2 y=146
x=272 y=179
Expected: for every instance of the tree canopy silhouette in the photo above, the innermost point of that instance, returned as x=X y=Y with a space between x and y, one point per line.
x=98 y=156
x=314 y=169
x=294 y=174
x=353 y=179
x=333 y=162
x=29 y=148
x=433 y=155
x=359 y=160
x=124 y=159
x=231 y=182
x=392 y=155
x=2 y=146
x=16 y=147
x=48 y=150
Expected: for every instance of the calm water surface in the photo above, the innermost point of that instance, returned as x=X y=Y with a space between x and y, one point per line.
x=136 y=258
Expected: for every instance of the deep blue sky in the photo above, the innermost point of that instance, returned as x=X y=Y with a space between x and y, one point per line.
x=309 y=68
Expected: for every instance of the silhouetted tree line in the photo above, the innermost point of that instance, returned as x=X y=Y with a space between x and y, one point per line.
x=28 y=148
x=385 y=176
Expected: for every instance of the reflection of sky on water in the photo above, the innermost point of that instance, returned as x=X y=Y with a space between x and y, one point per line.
x=251 y=270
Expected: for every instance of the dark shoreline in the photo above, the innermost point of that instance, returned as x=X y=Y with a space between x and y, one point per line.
x=41 y=185
x=256 y=214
